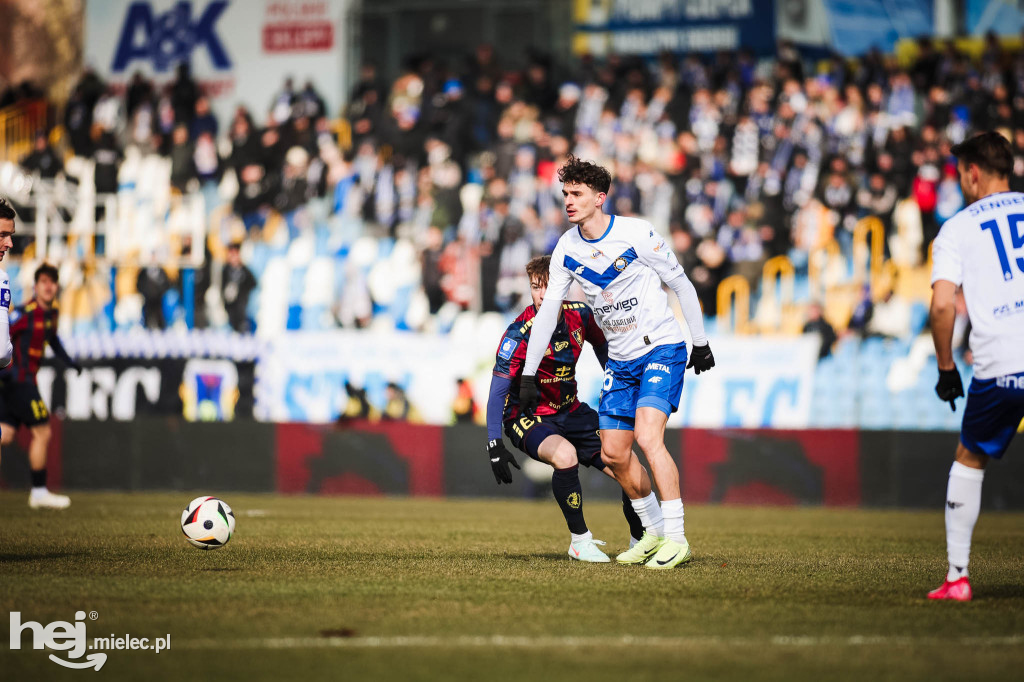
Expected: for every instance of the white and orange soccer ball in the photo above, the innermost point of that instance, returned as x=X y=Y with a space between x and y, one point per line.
x=208 y=522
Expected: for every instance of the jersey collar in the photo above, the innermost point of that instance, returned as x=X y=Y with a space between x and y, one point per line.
x=594 y=241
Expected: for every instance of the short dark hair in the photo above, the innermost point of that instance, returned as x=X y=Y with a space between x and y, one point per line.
x=47 y=270
x=579 y=172
x=989 y=151
x=7 y=211
x=538 y=267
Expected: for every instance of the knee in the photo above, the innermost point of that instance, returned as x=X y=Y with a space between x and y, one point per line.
x=650 y=443
x=564 y=457
x=42 y=433
x=6 y=436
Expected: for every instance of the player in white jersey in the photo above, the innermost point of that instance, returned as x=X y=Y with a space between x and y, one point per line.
x=982 y=249
x=621 y=263
x=7 y=216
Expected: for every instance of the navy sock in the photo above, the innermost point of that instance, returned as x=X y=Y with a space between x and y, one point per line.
x=636 y=526
x=39 y=478
x=565 y=484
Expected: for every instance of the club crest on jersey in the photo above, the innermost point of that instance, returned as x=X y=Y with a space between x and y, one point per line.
x=620 y=264
x=577 y=335
x=508 y=347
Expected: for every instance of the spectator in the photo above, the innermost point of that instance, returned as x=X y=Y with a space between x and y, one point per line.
x=43 y=159
x=237 y=283
x=153 y=283
x=817 y=324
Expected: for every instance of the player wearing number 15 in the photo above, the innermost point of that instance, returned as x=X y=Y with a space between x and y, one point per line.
x=981 y=248
x=33 y=325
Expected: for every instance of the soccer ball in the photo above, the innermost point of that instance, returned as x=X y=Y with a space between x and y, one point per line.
x=207 y=522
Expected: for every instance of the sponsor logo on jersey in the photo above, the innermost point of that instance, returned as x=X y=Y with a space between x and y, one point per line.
x=563 y=371
x=580 y=269
x=577 y=335
x=561 y=345
x=607 y=297
x=596 y=253
x=654 y=380
x=661 y=245
x=624 y=306
x=508 y=347
x=618 y=326
x=5 y=297
x=657 y=367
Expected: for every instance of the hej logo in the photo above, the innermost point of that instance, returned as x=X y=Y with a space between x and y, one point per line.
x=59 y=636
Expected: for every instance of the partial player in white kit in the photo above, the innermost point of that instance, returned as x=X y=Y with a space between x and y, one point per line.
x=621 y=263
x=982 y=249
x=7 y=215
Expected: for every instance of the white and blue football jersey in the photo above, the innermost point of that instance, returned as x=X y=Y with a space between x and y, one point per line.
x=621 y=274
x=982 y=249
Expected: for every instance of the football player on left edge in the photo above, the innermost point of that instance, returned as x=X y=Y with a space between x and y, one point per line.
x=7 y=216
x=563 y=431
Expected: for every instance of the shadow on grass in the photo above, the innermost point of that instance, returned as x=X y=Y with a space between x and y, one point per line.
x=29 y=556
x=536 y=557
x=1004 y=591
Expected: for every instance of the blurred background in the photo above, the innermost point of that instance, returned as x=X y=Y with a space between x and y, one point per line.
x=312 y=218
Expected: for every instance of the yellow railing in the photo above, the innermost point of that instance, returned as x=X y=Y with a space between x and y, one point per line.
x=734 y=305
x=18 y=125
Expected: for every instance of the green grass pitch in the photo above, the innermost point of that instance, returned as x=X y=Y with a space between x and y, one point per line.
x=416 y=589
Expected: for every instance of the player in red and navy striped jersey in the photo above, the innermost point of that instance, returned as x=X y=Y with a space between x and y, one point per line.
x=562 y=431
x=33 y=326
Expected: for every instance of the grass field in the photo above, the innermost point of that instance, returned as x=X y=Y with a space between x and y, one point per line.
x=412 y=589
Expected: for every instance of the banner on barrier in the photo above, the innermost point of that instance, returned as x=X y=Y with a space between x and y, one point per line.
x=758 y=382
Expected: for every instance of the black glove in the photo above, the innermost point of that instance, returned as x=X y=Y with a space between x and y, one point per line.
x=500 y=459
x=701 y=359
x=949 y=387
x=528 y=395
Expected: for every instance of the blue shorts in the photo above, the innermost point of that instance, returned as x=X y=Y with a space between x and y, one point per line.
x=654 y=380
x=579 y=427
x=995 y=408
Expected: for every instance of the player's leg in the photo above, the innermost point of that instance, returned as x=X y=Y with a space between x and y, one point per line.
x=540 y=440
x=37 y=418
x=660 y=389
x=565 y=486
x=991 y=417
x=582 y=428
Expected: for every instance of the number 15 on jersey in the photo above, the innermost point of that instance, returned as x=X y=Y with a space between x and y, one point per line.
x=1016 y=240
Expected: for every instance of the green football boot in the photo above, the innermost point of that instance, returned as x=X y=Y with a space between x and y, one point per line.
x=643 y=550
x=670 y=555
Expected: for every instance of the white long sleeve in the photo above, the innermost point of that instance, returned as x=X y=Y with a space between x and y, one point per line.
x=690 y=305
x=5 y=321
x=544 y=324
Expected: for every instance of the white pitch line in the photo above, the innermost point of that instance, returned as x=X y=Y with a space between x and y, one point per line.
x=501 y=641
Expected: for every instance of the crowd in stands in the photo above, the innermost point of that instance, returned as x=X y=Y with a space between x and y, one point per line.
x=737 y=159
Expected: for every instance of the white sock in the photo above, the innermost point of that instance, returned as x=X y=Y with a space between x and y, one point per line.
x=650 y=514
x=580 y=538
x=963 y=502
x=39 y=491
x=632 y=541
x=672 y=510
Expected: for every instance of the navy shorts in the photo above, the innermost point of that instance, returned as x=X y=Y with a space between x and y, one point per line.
x=21 y=404
x=995 y=408
x=654 y=380
x=579 y=427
